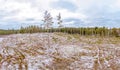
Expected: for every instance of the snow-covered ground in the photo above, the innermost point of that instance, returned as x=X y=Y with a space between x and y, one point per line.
x=1 y=39
x=59 y=51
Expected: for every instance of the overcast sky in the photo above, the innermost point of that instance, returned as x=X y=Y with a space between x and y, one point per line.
x=75 y=13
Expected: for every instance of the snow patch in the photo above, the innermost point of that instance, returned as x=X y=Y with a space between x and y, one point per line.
x=1 y=39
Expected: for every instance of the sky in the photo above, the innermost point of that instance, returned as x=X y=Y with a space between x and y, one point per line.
x=74 y=13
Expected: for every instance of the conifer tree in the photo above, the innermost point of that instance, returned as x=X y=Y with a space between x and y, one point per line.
x=59 y=20
x=48 y=20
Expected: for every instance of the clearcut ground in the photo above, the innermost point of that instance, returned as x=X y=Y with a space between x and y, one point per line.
x=59 y=51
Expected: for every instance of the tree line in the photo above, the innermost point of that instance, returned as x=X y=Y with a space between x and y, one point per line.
x=94 y=31
x=47 y=27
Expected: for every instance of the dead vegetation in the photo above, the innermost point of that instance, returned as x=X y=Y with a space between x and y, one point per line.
x=66 y=52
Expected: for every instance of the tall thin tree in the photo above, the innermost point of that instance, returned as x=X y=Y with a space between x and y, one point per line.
x=59 y=20
x=48 y=21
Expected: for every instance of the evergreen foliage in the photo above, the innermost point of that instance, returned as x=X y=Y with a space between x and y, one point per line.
x=96 y=31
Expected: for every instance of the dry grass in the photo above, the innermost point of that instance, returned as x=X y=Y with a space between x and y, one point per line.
x=64 y=52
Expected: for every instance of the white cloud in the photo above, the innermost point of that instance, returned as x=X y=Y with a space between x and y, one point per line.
x=115 y=6
x=24 y=9
x=67 y=14
x=21 y=10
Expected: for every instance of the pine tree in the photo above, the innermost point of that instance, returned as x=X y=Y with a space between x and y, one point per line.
x=59 y=20
x=48 y=20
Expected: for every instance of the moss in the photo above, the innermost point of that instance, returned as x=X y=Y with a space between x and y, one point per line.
x=55 y=39
x=69 y=38
x=0 y=57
